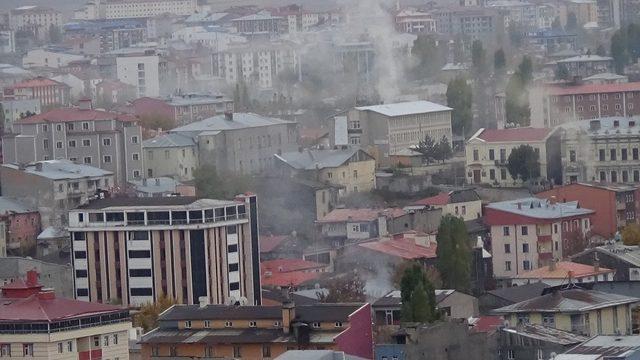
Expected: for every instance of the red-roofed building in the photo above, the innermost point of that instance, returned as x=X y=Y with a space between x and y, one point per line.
x=285 y=273
x=103 y=139
x=564 y=272
x=279 y=246
x=35 y=323
x=465 y=203
x=49 y=92
x=357 y=224
x=488 y=150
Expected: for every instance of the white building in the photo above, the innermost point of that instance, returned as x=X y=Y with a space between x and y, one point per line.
x=36 y=19
x=122 y=9
x=52 y=57
x=210 y=37
x=7 y=41
x=140 y=70
x=14 y=110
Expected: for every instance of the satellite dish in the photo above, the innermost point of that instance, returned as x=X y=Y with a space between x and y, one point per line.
x=231 y=300
x=243 y=301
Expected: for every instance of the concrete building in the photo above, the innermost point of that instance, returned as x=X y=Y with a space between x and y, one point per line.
x=586 y=11
x=586 y=65
x=35 y=323
x=620 y=347
x=352 y=225
x=476 y=22
x=35 y=19
x=109 y=141
x=156 y=187
x=388 y=129
x=564 y=273
x=464 y=203
x=50 y=57
x=252 y=332
x=615 y=204
x=14 y=110
x=7 y=41
x=610 y=13
x=52 y=276
x=584 y=312
x=350 y=169
x=241 y=143
x=143 y=69
x=624 y=259
x=183 y=108
x=22 y=226
x=110 y=34
x=49 y=92
x=603 y=150
x=138 y=249
x=53 y=187
x=529 y=233
x=488 y=150
x=119 y=9
x=259 y=24
x=414 y=21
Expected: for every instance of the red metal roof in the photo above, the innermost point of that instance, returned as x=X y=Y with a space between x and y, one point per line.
x=514 y=134
x=289 y=265
x=342 y=215
x=402 y=247
x=592 y=88
x=562 y=270
x=440 y=199
x=36 y=82
x=487 y=323
x=268 y=243
x=293 y=278
x=75 y=114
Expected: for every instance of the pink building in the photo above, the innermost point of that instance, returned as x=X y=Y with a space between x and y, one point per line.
x=50 y=92
x=22 y=225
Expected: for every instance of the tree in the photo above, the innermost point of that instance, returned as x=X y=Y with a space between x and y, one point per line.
x=427 y=54
x=459 y=98
x=211 y=184
x=516 y=35
x=572 y=21
x=619 y=51
x=453 y=253
x=478 y=55
x=562 y=72
x=499 y=60
x=443 y=149
x=574 y=242
x=349 y=288
x=633 y=42
x=523 y=163
x=517 y=110
x=525 y=71
x=418 y=296
x=631 y=235
x=147 y=317
x=427 y=148
x=156 y=121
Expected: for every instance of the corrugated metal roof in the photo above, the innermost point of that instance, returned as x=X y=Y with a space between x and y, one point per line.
x=319 y=159
x=239 y=121
x=571 y=300
x=169 y=140
x=405 y=108
x=61 y=169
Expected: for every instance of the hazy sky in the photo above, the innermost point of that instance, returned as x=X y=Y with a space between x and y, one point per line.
x=63 y=5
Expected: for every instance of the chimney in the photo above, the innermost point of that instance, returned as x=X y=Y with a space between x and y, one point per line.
x=38 y=166
x=203 y=301
x=157 y=181
x=32 y=277
x=85 y=104
x=228 y=115
x=288 y=315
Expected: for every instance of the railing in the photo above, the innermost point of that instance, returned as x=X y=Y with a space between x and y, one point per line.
x=60 y=329
x=151 y=222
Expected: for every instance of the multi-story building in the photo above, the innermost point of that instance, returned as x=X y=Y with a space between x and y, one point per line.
x=488 y=150
x=258 y=332
x=588 y=101
x=604 y=150
x=531 y=16
x=586 y=11
x=615 y=204
x=111 y=34
x=53 y=187
x=464 y=203
x=37 y=324
x=610 y=13
x=529 y=233
x=35 y=19
x=240 y=143
x=259 y=24
x=297 y=19
x=22 y=225
x=49 y=92
x=585 y=312
x=55 y=276
x=388 y=129
x=139 y=249
x=54 y=57
x=120 y=9
x=144 y=69
x=15 y=110
x=7 y=41
x=414 y=21
x=351 y=169
x=106 y=140
x=475 y=22
x=586 y=65
x=183 y=108
x=257 y=62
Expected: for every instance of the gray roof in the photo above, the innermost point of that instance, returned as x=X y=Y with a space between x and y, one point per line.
x=581 y=58
x=8 y=205
x=52 y=232
x=604 y=76
x=405 y=108
x=155 y=185
x=519 y=293
x=196 y=99
x=169 y=140
x=318 y=159
x=540 y=208
x=394 y=298
x=239 y=121
x=184 y=202
x=316 y=355
x=607 y=128
x=571 y=300
x=628 y=254
x=61 y=169
x=547 y=334
x=12 y=266
x=611 y=346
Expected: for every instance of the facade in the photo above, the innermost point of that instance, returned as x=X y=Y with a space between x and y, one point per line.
x=624 y=259
x=357 y=224
x=565 y=272
x=460 y=203
x=254 y=332
x=388 y=129
x=144 y=70
x=49 y=92
x=584 y=312
x=529 y=233
x=14 y=110
x=109 y=141
x=351 y=169
x=488 y=150
x=36 y=323
x=137 y=249
x=52 y=276
x=586 y=11
x=241 y=143
x=118 y=9
x=183 y=108
x=35 y=19
x=49 y=57
x=587 y=65
x=562 y=104
x=22 y=225
x=615 y=204
x=109 y=35
x=259 y=24
x=474 y=21
x=413 y=21
x=53 y=187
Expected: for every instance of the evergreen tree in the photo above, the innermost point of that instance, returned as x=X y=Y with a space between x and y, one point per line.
x=562 y=73
x=601 y=51
x=525 y=71
x=523 y=163
x=619 y=51
x=517 y=110
x=418 y=296
x=427 y=148
x=633 y=42
x=427 y=54
x=499 y=61
x=459 y=98
x=556 y=24
x=478 y=57
x=454 y=253
x=572 y=22
x=443 y=149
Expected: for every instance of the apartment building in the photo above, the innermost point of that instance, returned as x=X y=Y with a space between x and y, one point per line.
x=241 y=143
x=137 y=249
x=615 y=204
x=297 y=18
x=259 y=24
x=183 y=108
x=388 y=129
x=586 y=11
x=610 y=13
x=586 y=65
x=22 y=224
x=14 y=110
x=415 y=22
x=110 y=34
x=53 y=187
x=35 y=19
x=476 y=22
x=144 y=69
x=109 y=141
x=351 y=170
x=49 y=92
x=37 y=324
x=529 y=233
x=7 y=41
x=488 y=150
x=589 y=101
x=259 y=332
x=531 y=16
x=604 y=150
x=121 y=9
x=54 y=57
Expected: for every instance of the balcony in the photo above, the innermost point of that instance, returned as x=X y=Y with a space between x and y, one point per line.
x=90 y=354
x=620 y=205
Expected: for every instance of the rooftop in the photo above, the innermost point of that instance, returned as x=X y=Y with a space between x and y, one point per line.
x=563 y=270
x=37 y=82
x=559 y=90
x=221 y=123
x=60 y=169
x=540 y=208
x=546 y=334
x=605 y=76
x=288 y=265
x=155 y=185
x=517 y=294
x=394 y=298
x=405 y=108
x=571 y=300
x=355 y=215
x=165 y=201
x=269 y=243
x=523 y=134
x=321 y=159
x=585 y=58
x=287 y=279
x=629 y=254
x=169 y=140
x=75 y=114
x=451 y=197
x=609 y=126
x=608 y=346
x=231 y=336
x=402 y=246
x=316 y=355
x=13 y=206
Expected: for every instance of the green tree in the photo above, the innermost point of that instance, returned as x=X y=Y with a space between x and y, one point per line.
x=418 y=296
x=443 y=149
x=572 y=22
x=631 y=235
x=427 y=54
x=524 y=163
x=478 y=56
x=459 y=98
x=156 y=121
x=562 y=72
x=499 y=61
x=348 y=288
x=633 y=42
x=427 y=148
x=525 y=71
x=453 y=253
x=213 y=185
x=516 y=35
x=619 y=51
x=517 y=109
x=147 y=316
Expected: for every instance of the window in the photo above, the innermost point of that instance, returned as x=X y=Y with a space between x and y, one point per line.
x=167 y=154
x=134 y=139
x=139 y=254
x=234 y=286
x=623 y=154
x=525 y=248
x=505 y=231
x=524 y=230
x=236 y=352
x=507 y=266
x=81 y=273
x=45 y=128
x=315 y=325
x=115 y=339
x=106 y=141
x=155 y=350
x=510 y=355
x=70 y=126
x=187 y=324
x=5 y=350
x=603 y=176
x=60 y=348
x=601 y=154
x=572 y=155
x=45 y=143
x=59 y=127
x=228 y=324
x=232 y=248
x=72 y=143
x=338 y=324
x=208 y=351
x=612 y=154
x=139 y=272
x=233 y=267
x=173 y=351
x=85 y=126
x=96 y=341
x=492 y=174
x=135 y=156
x=136 y=174
x=82 y=292
x=526 y=265
x=252 y=324
x=507 y=248
x=59 y=145
x=266 y=350
x=105 y=341
x=475 y=155
x=549 y=319
x=141 y=292
x=492 y=154
x=634 y=153
x=86 y=142
x=355 y=174
x=207 y=324
x=503 y=174
x=80 y=254
x=107 y=158
x=27 y=349
x=87 y=159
